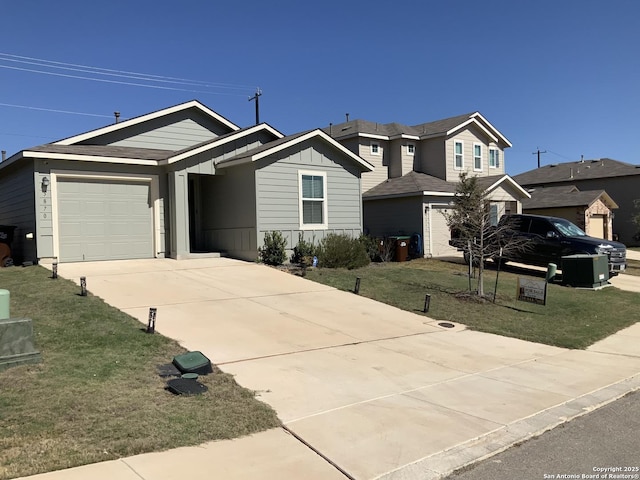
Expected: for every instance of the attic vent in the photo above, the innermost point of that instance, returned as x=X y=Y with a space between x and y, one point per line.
x=595 y=161
x=553 y=165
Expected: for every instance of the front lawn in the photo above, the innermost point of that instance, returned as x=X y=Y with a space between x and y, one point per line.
x=572 y=318
x=97 y=395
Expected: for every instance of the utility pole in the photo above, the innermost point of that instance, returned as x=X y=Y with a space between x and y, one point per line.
x=538 y=152
x=256 y=98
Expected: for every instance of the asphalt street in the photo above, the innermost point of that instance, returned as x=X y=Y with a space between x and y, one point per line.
x=603 y=444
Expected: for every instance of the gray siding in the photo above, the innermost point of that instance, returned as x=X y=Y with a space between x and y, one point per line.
x=278 y=192
x=393 y=216
x=205 y=163
x=17 y=207
x=228 y=212
x=172 y=132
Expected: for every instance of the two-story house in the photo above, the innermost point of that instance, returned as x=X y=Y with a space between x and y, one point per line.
x=417 y=169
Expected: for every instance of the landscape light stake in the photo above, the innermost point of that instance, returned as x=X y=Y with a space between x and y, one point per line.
x=151 y=326
x=83 y=286
x=356 y=290
x=427 y=303
x=54 y=270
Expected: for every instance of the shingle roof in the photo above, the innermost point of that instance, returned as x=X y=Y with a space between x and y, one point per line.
x=581 y=170
x=441 y=126
x=104 y=151
x=564 y=196
x=411 y=183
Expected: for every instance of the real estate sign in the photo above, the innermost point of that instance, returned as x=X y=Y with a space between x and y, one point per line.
x=532 y=291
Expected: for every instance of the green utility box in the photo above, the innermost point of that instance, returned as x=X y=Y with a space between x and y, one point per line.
x=193 y=362
x=587 y=271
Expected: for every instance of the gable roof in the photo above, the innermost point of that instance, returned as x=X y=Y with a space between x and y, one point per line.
x=569 y=172
x=390 y=131
x=288 y=141
x=144 y=118
x=565 y=196
x=416 y=183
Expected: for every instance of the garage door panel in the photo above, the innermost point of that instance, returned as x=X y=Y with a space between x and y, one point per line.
x=103 y=220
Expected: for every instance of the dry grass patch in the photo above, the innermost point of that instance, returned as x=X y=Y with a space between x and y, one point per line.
x=97 y=396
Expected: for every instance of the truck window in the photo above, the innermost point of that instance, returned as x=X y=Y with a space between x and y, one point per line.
x=540 y=227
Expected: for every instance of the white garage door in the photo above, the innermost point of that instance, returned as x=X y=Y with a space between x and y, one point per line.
x=440 y=234
x=104 y=220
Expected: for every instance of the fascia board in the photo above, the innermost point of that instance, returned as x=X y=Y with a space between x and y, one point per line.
x=478 y=124
x=90 y=158
x=404 y=135
x=495 y=130
x=374 y=136
x=411 y=194
x=314 y=133
x=12 y=159
x=512 y=182
x=215 y=144
x=144 y=118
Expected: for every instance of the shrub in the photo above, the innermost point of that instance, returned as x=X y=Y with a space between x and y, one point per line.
x=303 y=250
x=342 y=251
x=273 y=250
x=371 y=246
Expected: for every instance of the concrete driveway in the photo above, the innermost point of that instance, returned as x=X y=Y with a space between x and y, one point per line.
x=375 y=391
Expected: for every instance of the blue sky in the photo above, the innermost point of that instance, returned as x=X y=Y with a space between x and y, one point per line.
x=563 y=76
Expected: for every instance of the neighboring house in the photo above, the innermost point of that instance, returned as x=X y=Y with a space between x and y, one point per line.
x=175 y=182
x=417 y=169
x=619 y=179
x=591 y=210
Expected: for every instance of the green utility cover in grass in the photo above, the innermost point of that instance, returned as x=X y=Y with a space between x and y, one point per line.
x=193 y=362
x=4 y=304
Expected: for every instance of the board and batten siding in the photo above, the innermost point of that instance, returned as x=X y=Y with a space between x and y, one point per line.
x=278 y=194
x=18 y=208
x=469 y=137
x=172 y=132
x=228 y=212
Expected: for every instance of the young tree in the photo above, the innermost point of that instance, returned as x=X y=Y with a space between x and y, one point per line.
x=472 y=232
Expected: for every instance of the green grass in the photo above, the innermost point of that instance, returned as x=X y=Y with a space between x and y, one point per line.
x=97 y=396
x=572 y=318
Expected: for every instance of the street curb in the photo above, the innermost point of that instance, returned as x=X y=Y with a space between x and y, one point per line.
x=442 y=464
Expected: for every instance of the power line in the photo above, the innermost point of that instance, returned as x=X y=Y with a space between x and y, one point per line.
x=54 y=110
x=116 y=73
x=104 y=80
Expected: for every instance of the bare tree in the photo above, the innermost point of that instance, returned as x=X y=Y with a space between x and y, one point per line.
x=473 y=233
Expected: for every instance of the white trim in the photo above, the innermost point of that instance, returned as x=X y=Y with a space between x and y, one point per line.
x=476 y=169
x=377 y=148
x=374 y=136
x=143 y=118
x=496 y=163
x=313 y=133
x=411 y=194
x=411 y=146
x=154 y=193
x=89 y=158
x=455 y=167
x=217 y=143
x=325 y=221
x=502 y=137
x=514 y=184
x=477 y=124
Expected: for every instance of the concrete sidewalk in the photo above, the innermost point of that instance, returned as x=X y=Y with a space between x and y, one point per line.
x=364 y=390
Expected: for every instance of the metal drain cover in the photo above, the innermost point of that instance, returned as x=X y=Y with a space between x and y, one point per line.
x=446 y=324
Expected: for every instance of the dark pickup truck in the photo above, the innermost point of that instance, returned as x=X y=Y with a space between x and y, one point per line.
x=543 y=240
x=551 y=238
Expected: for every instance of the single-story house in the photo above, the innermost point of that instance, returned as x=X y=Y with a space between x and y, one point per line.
x=175 y=182
x=619 y=179
x=591 y=210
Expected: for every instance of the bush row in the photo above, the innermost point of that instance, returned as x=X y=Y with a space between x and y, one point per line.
x=333 y=251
